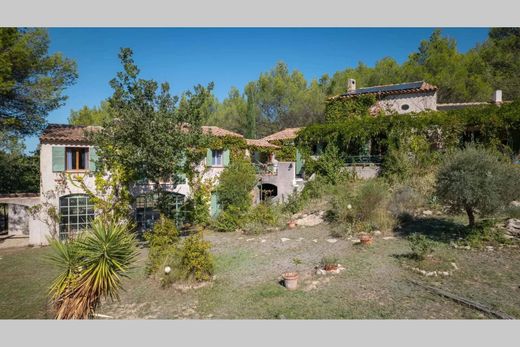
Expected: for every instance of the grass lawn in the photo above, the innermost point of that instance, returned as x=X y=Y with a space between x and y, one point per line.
x=374 y=284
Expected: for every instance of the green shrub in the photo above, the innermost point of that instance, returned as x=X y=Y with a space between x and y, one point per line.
x=404 y=200
x=162 y=243
x=294 y=203
x=230 y=220
x=196 y=260
x=263 y=217
x=235 y=185
x=513 y=212
x=477 y=179
x=360 y=208
x=329 y=165
x=421 y=245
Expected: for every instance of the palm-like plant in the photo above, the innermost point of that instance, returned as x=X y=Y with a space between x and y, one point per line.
x=93 y=266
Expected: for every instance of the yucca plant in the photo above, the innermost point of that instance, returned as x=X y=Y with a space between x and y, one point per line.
x=93 y=266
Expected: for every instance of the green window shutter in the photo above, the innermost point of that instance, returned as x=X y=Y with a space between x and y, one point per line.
x=58 y=159
x=209 y=158
x=92 y=158
x=299 y=162
x=225 y=157
x=215 y=206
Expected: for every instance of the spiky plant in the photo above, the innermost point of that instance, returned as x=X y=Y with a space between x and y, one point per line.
x=93 y=266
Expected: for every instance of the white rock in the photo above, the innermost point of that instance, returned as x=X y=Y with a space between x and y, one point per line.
x=490 y=248
x=263 y=240
x=315 y=240
x=285 y=239
x=455 y=266
x=427 y=212
x=250 y=239
x=389 y=238
x=310 y=220
x=321 y=272
x=355 y=240
x=377 y=232
x=332 y=240
x=515 y=203
x=300 y=239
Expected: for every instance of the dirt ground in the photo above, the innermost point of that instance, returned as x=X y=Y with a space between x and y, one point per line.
x=374 y=284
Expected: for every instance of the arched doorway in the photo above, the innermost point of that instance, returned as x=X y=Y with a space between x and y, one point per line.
x=268 y=191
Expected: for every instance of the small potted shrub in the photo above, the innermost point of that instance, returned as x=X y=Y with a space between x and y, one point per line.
x=329 y=264
x=366 y=239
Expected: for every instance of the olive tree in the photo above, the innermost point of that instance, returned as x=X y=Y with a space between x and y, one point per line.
x=477 y=180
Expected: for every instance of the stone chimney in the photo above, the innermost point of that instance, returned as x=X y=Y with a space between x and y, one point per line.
x=351 y=85
x=497 y=97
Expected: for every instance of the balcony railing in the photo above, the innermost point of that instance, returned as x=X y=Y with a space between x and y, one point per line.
x=364 y=159
x=266 y=169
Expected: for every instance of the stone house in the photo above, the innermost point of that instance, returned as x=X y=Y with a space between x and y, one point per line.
x=63 y=207
x=399 y=98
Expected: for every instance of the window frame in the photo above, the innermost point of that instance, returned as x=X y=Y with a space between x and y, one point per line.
x=65 y=204
x=220 y=156
x=76 y=158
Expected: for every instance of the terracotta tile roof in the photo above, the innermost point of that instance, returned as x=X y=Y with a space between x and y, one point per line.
x=285 y=134
x=65 y=133
x=390 y=89
x=261 y=143
x=77 y=134
x=216 y=131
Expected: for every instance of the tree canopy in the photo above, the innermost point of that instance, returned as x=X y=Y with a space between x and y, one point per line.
x=31 y=81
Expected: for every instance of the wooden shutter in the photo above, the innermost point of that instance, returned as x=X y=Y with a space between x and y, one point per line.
x=209 y=157
x=299 y=162
x=92 y=158
x=58 y=158
x=225 y=157
x=215 y=206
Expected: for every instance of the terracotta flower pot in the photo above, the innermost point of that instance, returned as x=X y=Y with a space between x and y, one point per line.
x=330 y=267
x=290 y=280
x=291 y=224
x=366 y=239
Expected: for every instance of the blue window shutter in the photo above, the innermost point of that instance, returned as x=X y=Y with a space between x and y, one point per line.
x=299 y=162
x=58 y=159
x=225 y=157
x=92 y=158
x=215 y=206
x=209 y=157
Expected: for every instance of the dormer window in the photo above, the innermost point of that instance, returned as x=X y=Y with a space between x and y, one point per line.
x=76 y=158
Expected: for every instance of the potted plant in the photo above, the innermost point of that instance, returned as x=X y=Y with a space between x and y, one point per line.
x=290 y=280
x=329 y=264
x=291 y=224
x=366 y=239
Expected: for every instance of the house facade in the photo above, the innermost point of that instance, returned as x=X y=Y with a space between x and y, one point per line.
x=399 y=98
x=63 y=207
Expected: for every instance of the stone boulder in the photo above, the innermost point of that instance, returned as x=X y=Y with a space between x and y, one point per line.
x=310 y=220
x=513 y=227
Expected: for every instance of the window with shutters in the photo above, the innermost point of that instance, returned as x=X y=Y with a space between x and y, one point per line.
x=217 y=157
x=76 y=158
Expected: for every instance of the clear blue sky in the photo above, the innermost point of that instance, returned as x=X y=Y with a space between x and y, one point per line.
x=228 y=57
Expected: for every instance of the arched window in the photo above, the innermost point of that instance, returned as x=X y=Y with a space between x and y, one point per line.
x=76 y=214
x=147 y=211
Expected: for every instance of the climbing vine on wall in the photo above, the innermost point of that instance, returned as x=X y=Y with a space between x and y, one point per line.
x=339 y=109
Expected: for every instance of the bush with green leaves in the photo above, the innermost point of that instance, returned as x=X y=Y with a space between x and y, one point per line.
x=229 y=220
x=92 y=267
x=196 y=260
x=329 y=165
x=477 y=180
x=162 y=242
x=421 y=245
x=263 y=218
x=360 y=207
x=235 y=185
